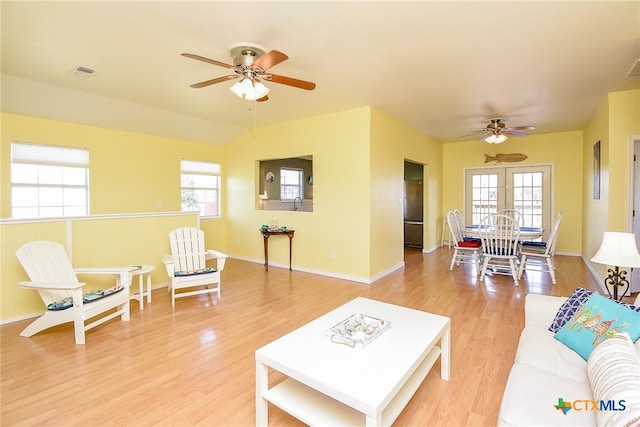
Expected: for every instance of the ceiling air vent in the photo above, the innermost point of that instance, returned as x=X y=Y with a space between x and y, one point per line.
x=83 y=71
x=635 y=69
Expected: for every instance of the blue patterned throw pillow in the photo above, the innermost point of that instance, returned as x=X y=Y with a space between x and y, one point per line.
x=575 y=301
x=598 y=319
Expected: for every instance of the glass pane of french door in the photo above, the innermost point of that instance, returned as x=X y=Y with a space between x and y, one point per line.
x=530 y=191
x=526 y=189
x=485 y=193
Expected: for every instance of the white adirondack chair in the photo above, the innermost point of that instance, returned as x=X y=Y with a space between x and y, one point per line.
x=49 y=268
x=186 y=265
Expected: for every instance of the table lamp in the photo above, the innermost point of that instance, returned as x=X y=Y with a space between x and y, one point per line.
x=617 y=250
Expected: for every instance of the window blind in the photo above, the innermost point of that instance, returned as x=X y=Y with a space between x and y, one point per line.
x=23 y=152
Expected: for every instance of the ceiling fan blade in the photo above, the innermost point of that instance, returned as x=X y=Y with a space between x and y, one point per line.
x=270 y=59
x=264 y=98
x=474 y=133
x=210 y=61
x=520 y=128
x=513 y=133
x=484 y=138
x=213 y=81
x=289 y=81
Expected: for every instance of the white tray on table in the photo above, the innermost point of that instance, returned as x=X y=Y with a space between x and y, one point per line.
x=358 y=330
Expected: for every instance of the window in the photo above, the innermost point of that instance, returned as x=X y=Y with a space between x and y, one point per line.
x=291 y=181
x=200 y=187
x=48 y=181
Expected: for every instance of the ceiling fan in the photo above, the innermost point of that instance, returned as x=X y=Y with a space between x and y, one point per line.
x=496 y=131
x=251 y=65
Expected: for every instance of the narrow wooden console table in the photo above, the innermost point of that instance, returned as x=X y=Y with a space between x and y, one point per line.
x=268 y=233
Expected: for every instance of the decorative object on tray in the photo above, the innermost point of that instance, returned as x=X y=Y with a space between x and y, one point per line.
x=358 y=330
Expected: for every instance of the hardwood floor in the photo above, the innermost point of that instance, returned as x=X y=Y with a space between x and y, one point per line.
x=194 y=365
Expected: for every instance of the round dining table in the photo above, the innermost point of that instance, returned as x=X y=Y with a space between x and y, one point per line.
x=526 y=233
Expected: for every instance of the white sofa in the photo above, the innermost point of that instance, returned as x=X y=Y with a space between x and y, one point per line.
x=544 y=371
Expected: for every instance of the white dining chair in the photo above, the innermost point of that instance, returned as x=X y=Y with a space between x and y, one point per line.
x=541 y=251
x=459 y=219
x=464 y=251
x=500 y=236
x=513 y=213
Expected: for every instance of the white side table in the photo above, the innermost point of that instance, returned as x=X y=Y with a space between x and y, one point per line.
x=141 y=271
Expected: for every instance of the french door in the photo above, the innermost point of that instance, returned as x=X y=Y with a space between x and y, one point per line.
x=524 y=188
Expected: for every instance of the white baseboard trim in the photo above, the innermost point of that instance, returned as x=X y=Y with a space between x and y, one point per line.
x=600 y=281
x=569 y=254
x=387 y=272
x=20 y=318
x=358 y=279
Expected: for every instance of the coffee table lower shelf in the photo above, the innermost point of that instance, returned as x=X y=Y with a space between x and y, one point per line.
x=315 y=408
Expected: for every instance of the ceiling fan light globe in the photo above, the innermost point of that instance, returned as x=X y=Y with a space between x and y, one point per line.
x=261 y=90
x=496 y=139
x=248 y=90
x=237 y=89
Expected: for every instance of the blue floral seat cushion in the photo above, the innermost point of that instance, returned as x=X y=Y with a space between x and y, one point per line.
x=87 y=298
x=535 y=244
x=195 y=272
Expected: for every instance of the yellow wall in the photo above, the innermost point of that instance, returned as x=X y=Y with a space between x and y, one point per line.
x=562 y=150
x=392 y=142
x=339 y=144
x=624 y=121
x=358 y=160
x=129 y=172
x=616 y=120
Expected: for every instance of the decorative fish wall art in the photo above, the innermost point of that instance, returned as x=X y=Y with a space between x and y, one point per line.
x=500 y=157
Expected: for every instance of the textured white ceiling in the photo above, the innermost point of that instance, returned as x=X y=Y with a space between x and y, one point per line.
x=440 y=67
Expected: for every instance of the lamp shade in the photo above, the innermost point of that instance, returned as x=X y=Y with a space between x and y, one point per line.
x=618 y=249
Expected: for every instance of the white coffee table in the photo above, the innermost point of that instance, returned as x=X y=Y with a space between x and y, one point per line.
x=332 y=384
